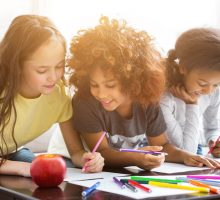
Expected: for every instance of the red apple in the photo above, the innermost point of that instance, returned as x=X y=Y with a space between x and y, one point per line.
x=48 y=170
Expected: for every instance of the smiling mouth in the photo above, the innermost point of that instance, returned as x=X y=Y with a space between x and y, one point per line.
x=198 y=93
x=106 y=102
x=49 y=86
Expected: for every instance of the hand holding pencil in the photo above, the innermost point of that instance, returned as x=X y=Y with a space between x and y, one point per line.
x=94 y=162
x=147 y=157
x=214 y=147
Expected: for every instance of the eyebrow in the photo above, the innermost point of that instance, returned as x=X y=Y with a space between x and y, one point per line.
x=111 y=80
x=207 y=81
x=45 y=66
x=203 y=80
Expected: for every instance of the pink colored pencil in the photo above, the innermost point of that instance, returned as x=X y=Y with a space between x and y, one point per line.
x=217 y=177
x=99 y=141
x=96 y=146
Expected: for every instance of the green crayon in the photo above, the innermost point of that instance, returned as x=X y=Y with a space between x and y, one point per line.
x=138 y=178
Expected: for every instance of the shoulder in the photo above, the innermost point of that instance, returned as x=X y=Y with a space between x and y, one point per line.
x=84 y=103
x=216 y=93
x=167 y=96
x=153 y=110
x=168 y=99
x=215 y=96
x=58 y=99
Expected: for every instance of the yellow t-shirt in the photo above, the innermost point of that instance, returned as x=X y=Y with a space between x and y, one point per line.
x=35 y=116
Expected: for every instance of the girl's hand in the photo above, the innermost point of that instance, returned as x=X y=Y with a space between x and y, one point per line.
x=149 y=161
x=180 y=92
x=93 y=162
x=216 y=148
x=200 y=161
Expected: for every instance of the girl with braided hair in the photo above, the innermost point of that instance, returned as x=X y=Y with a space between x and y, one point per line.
x=191 y=105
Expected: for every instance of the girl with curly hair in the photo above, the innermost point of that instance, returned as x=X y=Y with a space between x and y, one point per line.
x=32 y=96
x=119 y=79
x=191 y=105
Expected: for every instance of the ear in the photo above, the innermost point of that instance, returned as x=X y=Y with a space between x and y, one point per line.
x=182 y=69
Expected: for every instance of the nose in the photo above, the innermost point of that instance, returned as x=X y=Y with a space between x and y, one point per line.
x=53 y=76
x=101 y=93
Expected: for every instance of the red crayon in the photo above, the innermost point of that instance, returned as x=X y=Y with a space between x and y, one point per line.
x=136 y=184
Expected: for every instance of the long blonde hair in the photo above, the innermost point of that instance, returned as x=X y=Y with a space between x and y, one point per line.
x=25 y=34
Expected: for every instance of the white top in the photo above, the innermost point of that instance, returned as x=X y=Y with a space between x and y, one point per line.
x=57 y=144
x=191 y=124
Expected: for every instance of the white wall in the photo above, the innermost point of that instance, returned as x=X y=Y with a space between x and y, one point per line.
x=164 y=19
x=11 y=8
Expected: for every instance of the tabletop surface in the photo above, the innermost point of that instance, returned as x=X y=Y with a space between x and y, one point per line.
x=15 y=187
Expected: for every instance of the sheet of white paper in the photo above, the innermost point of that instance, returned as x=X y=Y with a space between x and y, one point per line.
x=168 y=168
x=75 y=174
x=108 y=185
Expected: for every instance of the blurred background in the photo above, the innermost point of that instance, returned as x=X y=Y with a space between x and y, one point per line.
x=163 y=19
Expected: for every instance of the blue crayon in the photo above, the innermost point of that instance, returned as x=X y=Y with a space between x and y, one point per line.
x=90 y=189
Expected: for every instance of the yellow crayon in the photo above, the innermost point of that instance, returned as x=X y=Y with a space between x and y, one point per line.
x=185 y=187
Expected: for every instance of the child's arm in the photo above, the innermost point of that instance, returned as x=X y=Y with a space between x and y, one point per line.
x=76 y=150
x=15 y=168
x=184 y=132
x=180 y=156
x=114 y=158
x=212 y=122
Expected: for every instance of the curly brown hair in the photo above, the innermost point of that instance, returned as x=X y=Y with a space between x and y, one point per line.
x=129 y=54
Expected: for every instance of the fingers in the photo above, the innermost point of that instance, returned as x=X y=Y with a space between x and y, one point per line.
x=153 y=161
x=193 y=162
x=177 y=91
x=95 y=163
x=217 y=144
x=211 y=143
x=200 y=161
x=216 y=152
x=152 y=148
x=87 y=156
x=215 y=163
x=180 y=92
x=207 y=162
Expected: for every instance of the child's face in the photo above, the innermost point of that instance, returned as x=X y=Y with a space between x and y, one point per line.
x=201 y=82
x=107 y=90
x=43 y=69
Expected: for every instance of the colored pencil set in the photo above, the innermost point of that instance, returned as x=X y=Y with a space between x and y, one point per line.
x=197 y=183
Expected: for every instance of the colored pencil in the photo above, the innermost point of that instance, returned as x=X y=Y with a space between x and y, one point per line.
x=197 y=183
x=96 y=147
x=90 y=189
x=172 y=181
x=206 y=181
x=143 y=151
x=203 y=177
x=136 y=184
x=176 y=186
